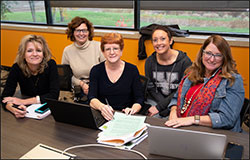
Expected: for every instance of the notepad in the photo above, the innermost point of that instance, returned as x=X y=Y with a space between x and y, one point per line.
x=42 y=151
x=32 y=114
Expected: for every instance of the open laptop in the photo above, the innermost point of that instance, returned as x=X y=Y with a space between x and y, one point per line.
x=75 y=114
x=187 y=144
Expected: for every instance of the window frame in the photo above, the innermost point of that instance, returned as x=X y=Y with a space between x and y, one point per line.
x=238 y=6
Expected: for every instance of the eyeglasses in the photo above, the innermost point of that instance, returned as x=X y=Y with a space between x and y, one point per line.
x=109 y=49
x=209 y=54
x=78 y=31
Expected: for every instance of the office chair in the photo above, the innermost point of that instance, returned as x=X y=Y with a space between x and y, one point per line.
x=144 y=80
x=65 y=75
x=4 y=74
x=244 y=114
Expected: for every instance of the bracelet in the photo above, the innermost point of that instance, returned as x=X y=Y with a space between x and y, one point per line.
x=38 y=99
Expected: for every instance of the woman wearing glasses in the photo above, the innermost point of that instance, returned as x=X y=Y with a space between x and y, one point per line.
x=115 y=84
x=212 y=93
x=84 y=53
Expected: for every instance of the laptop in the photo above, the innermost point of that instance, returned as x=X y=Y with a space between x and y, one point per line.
x=75 y=113
x=187 y=144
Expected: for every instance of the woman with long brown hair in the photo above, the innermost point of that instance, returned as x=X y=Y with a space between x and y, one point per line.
x=212 y=93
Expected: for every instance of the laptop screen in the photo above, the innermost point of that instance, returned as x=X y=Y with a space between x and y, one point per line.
x=75 y=114
x=180 y=143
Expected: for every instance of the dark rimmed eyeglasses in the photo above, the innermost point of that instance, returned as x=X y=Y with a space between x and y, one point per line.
x=209 y=54
x=78 y=31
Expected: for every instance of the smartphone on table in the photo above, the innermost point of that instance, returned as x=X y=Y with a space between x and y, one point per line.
x=234 y=151
x=42 y=109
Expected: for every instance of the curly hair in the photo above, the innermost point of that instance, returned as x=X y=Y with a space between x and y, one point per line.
x=76 y=22
x=197 y=70
x=110 y=38
x=20 y=58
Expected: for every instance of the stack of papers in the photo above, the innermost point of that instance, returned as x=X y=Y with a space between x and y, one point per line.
x=32 y=114
x=124 y=130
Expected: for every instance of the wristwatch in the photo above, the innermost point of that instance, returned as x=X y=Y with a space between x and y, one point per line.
x=196 y=119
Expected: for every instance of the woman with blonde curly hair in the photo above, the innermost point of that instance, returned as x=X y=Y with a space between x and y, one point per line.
x=212 y=92
x=35 y=72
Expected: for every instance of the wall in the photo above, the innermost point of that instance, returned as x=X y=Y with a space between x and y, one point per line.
x=10 y=39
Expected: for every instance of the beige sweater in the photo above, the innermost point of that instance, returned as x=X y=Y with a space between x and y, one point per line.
x=82 y=58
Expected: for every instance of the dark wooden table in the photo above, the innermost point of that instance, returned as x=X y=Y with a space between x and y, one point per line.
x=18 y=136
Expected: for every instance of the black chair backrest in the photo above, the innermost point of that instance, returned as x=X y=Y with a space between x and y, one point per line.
x=244 y=114
x=65 y=75
x=144 y=80
x=4 y=70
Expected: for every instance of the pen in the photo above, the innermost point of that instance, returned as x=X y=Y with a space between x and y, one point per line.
x=108 y=103
x=16 y=106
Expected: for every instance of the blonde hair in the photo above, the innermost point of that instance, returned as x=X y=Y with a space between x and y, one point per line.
x=20 y=58
x=197 y=70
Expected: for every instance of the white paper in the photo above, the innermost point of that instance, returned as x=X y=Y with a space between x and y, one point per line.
x=32 y=114
x=122 y=129
x=42 y=151
x=123 y=124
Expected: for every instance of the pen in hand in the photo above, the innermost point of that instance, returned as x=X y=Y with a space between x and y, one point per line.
x=108 y=103
x=16 y=106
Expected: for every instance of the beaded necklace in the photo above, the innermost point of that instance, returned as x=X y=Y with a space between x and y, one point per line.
x=187 y=103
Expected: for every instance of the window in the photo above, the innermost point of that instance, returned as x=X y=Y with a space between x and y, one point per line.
x=100 y=13
x=210 y=21
x=23 y=11
x=201 y=17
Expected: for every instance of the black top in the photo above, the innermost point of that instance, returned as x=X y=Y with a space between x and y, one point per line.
x=45 y=85
x=164 y=79
x=121 y=94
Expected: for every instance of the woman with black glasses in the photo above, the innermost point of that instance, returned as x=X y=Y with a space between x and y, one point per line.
x=83 y=54
x=211 y=93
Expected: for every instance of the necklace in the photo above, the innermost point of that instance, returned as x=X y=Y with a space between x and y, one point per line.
x=187 y=103
x=36 y=82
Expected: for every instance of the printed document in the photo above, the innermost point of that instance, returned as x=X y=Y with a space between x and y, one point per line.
x=122 y=129
x=123 y=124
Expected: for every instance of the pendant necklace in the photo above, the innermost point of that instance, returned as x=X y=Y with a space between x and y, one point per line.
x=187 y=103
x=36 y=82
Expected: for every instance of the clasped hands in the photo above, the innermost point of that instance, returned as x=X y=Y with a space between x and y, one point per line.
x=108 y=112
x=85 y=87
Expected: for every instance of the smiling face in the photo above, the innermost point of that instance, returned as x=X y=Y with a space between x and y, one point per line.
x=161 y=42
x=211 y=62
x=34 y=54
x=112 y=52
x=81 y=34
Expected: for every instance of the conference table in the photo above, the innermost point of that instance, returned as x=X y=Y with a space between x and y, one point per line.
x=18 y=136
